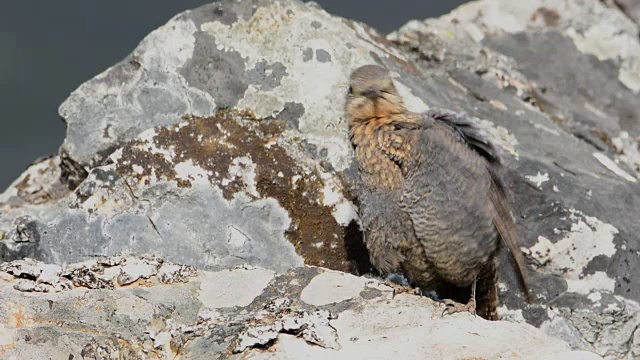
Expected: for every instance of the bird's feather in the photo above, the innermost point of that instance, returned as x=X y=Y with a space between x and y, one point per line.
x=467 y=132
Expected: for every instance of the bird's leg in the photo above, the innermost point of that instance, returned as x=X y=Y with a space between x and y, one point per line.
x=399 y=289
x=487 y=294
x=400 y=285
x=452 y=307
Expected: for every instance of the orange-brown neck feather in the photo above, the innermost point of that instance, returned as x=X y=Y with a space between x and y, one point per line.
x=363 y=112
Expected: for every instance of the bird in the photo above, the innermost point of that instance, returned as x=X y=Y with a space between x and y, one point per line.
x=432 y=200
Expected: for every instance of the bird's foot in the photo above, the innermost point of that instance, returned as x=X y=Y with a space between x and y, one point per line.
x=399 y=289
x=452 y=307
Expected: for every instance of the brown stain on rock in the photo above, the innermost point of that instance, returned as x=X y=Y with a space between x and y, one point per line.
x=34 y=192
x=551 y=17
x=151 y=163
x=213 y=143
x=604 y=136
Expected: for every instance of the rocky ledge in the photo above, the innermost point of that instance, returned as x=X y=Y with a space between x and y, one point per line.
x=220 y=142
x=126 y=307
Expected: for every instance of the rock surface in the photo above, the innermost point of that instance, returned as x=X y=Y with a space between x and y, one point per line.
x=220 y=141
x=630 y=7
x=164 y=310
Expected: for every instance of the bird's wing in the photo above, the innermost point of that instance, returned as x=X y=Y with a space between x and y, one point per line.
x=503 y=220
x=460 y=125
x=466 y=131
x=398 y=141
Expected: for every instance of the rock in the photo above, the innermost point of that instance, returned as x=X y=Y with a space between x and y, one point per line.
x=149 y=319
x=212 y=147
x=39 y=184
x=630 y=7
x=223 y=185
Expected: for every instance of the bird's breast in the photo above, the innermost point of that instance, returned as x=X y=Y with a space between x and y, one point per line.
x=376 y=170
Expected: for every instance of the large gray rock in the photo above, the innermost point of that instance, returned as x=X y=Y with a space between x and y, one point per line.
x=220 y=141
x=629 y=7
x=128 y=307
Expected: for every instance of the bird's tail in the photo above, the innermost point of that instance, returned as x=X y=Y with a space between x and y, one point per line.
x=506 y=227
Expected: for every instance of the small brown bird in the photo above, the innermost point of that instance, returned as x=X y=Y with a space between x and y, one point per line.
x=432 y=201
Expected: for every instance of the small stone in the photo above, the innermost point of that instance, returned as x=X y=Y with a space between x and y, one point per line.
x=135 y=269
x=25 y=285
x=332 y=287
x=170 y=273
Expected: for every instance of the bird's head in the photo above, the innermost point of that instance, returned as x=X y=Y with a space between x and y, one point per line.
x=372 y=96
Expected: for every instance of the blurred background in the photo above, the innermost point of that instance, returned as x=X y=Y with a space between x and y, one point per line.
x=49 y=48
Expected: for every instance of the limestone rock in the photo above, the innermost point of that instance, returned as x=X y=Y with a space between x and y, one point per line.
x=629 y=7
x=188 y=319
x=220 y=142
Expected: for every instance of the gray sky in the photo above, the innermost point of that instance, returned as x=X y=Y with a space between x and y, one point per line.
x=49 y=48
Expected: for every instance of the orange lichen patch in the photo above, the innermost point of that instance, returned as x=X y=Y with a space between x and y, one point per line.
x=5 y=348
x=7 y=339
x=268 y=20
x=17 y=317
x=214 y=145
x=122 y=342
